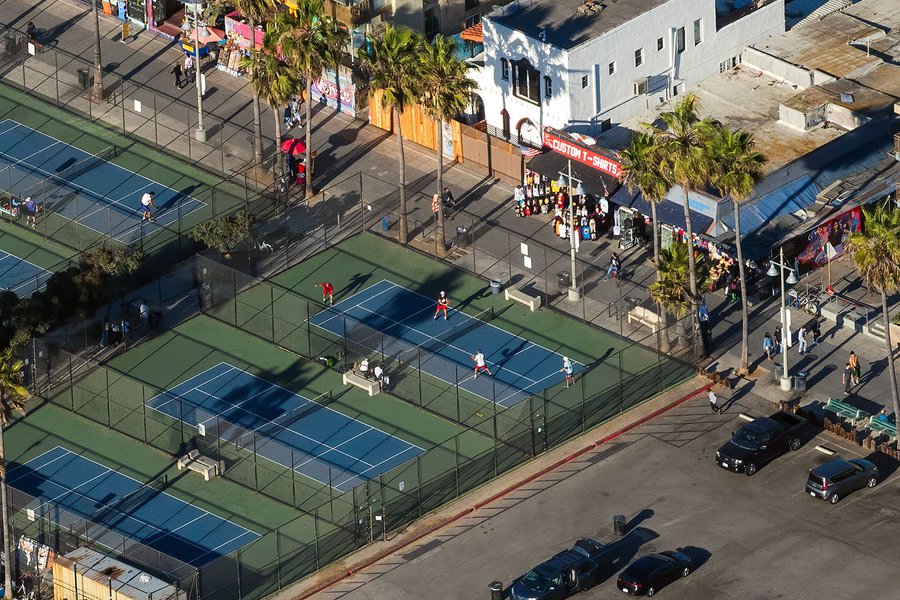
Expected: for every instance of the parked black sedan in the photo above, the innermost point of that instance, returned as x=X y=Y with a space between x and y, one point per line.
x=646 y=575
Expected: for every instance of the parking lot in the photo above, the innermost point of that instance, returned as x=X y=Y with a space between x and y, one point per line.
x=759 y=537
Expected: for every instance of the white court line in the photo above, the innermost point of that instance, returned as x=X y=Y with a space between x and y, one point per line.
x=237 y=537
x=41 y=270
x=376 y=465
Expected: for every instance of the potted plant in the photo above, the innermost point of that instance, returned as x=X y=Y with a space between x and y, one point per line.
x=224 y=233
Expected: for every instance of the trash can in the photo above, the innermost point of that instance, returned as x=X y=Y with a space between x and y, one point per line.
x=619 y=525
x=11 y=42
x=565 y=279
x=462 y=237
x=495 y=286
x=496 y=588
x=800 y=381
x=84 y=79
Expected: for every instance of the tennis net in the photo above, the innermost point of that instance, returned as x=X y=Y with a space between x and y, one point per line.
x=45 y=188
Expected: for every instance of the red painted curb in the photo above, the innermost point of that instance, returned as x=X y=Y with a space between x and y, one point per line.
x=509 y=489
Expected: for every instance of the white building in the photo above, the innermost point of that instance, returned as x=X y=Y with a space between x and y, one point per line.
x=585 y=65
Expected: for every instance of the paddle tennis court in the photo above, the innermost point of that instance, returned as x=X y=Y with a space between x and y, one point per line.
x=83 y=187
x=405 y=321
x=70 y=490
x=286 y=428
x=20 y=276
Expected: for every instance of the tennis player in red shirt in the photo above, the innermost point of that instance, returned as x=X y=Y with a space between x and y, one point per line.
x=327 y=292
x=443 y=302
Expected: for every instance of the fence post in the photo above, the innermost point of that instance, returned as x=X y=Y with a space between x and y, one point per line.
x=56 y=73
x=122 y=101
x=155 y=124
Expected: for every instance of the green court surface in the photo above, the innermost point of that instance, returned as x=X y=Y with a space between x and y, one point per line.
x=218 y=197
x=31 y=247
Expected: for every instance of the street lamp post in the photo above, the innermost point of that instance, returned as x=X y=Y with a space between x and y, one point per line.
x=776 y=269
x=574 y=294
x=200 y=132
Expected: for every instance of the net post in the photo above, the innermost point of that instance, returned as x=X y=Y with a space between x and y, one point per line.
x=419 y=371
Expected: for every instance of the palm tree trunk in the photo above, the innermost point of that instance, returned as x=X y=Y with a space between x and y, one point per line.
x=7 y=533
x=440 y=236
x=257 y=118
x=745 y=314
x=892 y=374
x=692 y=270
x=665 y=344
x=404 y=226
x=97 y=90
x=309 y=186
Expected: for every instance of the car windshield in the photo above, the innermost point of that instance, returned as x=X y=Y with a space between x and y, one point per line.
x=750 y=440
x=535 y=581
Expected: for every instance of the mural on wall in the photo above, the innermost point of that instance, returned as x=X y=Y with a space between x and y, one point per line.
x=337 y=92
x=828 y=239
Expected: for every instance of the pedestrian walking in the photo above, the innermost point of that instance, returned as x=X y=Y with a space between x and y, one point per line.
x=847 y=379
x=448 y=199
x=778 y=338
x=327 y=292
x=480 y=365
x=189 y=69
x=125 y=328
x=178 y=72
x=287 y=117
x=295 y=111
x=816 y=332
x=144 y=312
x=567 y=369
x=854 y=367
x=768 y=346
x=714 y=403
x=612 y=271
x=147 y=206
x=104 y=335
x=443 y=303
x=801 y=339
x=30 y=208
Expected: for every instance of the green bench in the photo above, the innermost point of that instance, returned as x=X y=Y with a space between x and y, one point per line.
x=842 y=409
x=876 y=425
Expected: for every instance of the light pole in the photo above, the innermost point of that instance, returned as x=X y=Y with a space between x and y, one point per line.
x=200 y=132
x=776 y=269
x=574 y=294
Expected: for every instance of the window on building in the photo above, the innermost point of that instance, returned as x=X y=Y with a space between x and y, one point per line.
x=605 y=125
x=698 y=32
x=638 y=57
x=660 y=44
x=526 y=81
x=548 y=87
x=473 y=20
x=584 y=81
x=679 y=40
x=612 y=67
x=504 y=69
x=431 y=22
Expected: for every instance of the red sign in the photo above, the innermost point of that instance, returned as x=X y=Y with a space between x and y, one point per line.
x=582 y=155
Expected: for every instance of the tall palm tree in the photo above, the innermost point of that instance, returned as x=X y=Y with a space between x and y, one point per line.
x=393 y=67
x=672 y=289
x=97 y=90
x=446 y=91
x=641 y=171
x=876 y=253
x=684 y=160
x=737 y=168
x=272 y=80
x=310 y=42
x=13 y=396
x=256 y=12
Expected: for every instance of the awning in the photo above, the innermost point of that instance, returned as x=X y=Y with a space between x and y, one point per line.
x=475 y=33
x=595 y=182
x=667 y=212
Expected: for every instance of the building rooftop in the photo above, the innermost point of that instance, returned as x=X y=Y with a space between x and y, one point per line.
x=564 y=24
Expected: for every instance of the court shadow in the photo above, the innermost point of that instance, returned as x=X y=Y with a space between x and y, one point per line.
x=355 y=284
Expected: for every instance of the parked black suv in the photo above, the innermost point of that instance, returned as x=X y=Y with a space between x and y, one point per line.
x=834 y=480
x=565 y=574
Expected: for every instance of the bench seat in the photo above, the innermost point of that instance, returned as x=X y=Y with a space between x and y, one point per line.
x=842 y=409
x=644 y=316
x=876 y=425
x=196 y=462
x=532 y=301
x=370 y=385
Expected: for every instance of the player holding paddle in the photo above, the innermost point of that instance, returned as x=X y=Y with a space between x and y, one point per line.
x=480 y=365
x=327 y=292
x=443 y=303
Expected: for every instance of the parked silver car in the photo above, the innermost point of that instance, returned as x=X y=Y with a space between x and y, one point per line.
x=837 y=478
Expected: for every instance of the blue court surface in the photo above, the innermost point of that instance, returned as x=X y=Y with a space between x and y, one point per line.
x=520 y=368
x=70 y=488
x=83 y=187
x=20 y=276
x=288 y=429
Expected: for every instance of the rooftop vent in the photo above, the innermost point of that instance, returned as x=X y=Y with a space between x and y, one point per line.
x=846 y=98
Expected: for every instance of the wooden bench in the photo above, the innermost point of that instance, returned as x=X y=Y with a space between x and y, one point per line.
x=532 y=301
x=876 y=425
x=842 y=409
x=370 y=385
x=194 y=461
x=644 y=316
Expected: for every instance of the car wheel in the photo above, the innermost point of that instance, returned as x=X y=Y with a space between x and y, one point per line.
x=751 y=469
x=834 y=499
x=686 y=572
x=651 y=591
x=795 y=444
x=872 y=482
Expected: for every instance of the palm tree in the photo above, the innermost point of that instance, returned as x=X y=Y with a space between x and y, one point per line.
x=684 y=160
x=97 y=90
x=393 y=66
x=13 y=396
x=876 y=253
x=641 y=171
x=272 y=80
x=255 y=11
x=310 y=42
x=672 y=289
x=446 y=89
x=737 y=168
